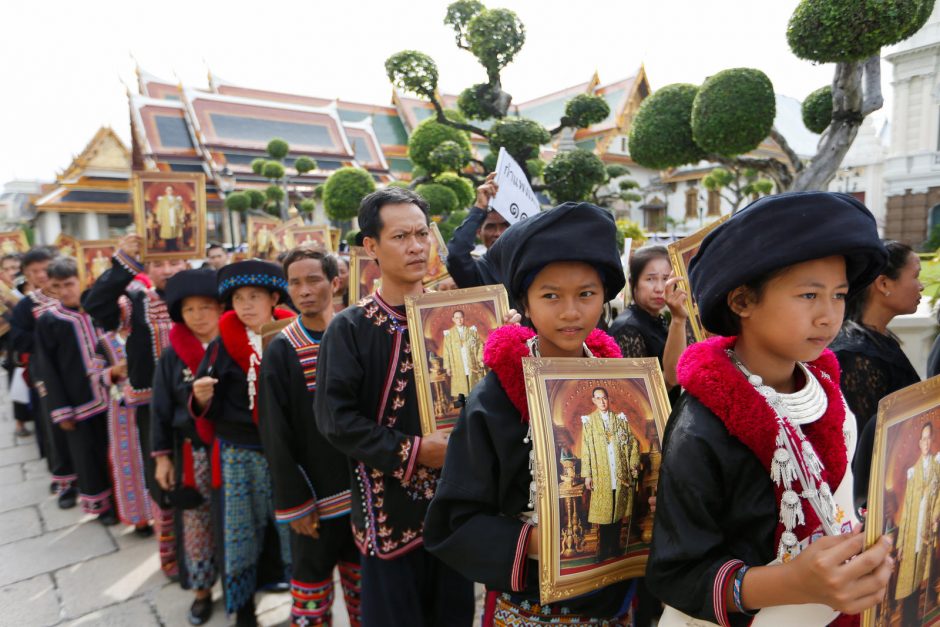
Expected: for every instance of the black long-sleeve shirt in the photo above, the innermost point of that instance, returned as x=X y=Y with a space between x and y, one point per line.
x=466 y=270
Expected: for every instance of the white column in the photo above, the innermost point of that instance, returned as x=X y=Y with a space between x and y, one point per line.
x=89 y=228
x=103 y=231
x=48 y=227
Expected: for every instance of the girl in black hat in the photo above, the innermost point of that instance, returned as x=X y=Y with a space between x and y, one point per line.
x=562 y=266
x=180 y=443
x=254 y=550
x=757 y=453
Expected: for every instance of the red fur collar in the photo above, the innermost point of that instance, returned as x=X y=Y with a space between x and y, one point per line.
x=144 y=280
x=506 y=347
x=187 y=346
x=708 y=374
x=234 y=336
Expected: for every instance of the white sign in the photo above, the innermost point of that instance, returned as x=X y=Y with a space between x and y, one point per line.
x=515 y=199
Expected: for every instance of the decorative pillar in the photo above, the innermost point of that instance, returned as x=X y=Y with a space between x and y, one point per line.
x=48 y=227
x=89 y=228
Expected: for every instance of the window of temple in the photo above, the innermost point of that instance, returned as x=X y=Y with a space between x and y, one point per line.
x=691 y=203
x=714 y=203
x=654 y=218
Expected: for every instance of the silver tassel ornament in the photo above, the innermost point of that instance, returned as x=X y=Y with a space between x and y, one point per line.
x=791 y=510
x=781 y=468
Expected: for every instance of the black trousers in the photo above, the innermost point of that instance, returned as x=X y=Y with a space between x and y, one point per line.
x=59 y=457
x=414 y=590
x=88 y=444
x=314 y=559
x=608 y=540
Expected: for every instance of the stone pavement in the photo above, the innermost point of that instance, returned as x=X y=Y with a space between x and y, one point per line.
x=62 y=567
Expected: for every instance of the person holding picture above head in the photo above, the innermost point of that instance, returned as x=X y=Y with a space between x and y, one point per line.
x=754 y=518
x=367 y=407
x=481 y=223
x=642 y=330
x=311 y=481
x=131 y=294
x=254 y=551
x=561 y=266
x=182 y=444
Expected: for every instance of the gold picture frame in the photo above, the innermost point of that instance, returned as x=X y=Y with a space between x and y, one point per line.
x=261 y=235
x=336 y=235
x=561 y=394
x=364 y=274
x=437 y=257
x=94 y=258
x=13 y=242
x=898 y=467
x=66 y=245
x=170 y=203
x=314 y=234
x=680 y=254
x=437 y=350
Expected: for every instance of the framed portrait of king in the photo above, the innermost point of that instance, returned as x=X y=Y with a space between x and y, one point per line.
x=261 y=239
x=448 y=331
x=597 y=426
x=364 y=274
x=437 y=258
x=680 y=255
x=317 y=236
x=170 y=214
x=904 y=503
x=66 y=245
x=94 y=258
x=12 y=242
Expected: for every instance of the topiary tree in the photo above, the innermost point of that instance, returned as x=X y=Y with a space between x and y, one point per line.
x=273 y=170
x=732 y=113
x=257 y=165
x=450 y=224
x=441 y=199
x=817 y=109
x=344 y=190
x=431 y=146
x=461 y=187
x=304 y=165
x=741 y=185
x=278 y=149
x=256 y=198
x=237 y=201
x=494 y=37
x=307 y=206
x=574 y=175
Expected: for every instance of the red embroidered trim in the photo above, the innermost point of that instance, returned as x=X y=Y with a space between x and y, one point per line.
x=506 y=347
x=723 y=578
x=707 y=373
x=234 y=336
x=520 y=563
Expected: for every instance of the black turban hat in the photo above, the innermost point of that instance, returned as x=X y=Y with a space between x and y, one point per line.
x=188 y=283
x=251 y=273
x=779 y=231
x=569 y=232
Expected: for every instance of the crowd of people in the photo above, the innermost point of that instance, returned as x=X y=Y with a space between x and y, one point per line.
x=267 y=431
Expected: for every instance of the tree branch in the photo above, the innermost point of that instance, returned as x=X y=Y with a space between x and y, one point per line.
x=777 y=170
x=443 y=119
x=794 y=158
x=873 y=99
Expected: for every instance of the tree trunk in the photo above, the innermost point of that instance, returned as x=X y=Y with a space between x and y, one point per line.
x=850 y=104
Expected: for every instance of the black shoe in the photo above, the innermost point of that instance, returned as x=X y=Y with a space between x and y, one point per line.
x=68 y=498
x=54 y=487
x=280 y=586
x=246 y=615
x=201 y=611
x=143 y=532
x=108 y=518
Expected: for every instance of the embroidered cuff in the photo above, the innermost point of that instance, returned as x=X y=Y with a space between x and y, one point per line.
x=295 y=513
x=412 y=458
x=62 y=414
x=520 y=565
x=127 y=262
x=723 y=581
x=157 y=454
x=191 y=405
x=335 y=506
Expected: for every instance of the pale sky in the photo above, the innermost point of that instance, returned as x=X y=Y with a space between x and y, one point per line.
x=63 y=62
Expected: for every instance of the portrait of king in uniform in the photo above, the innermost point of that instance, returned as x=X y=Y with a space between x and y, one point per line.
x=610 y=467
x=170 y=214
x=170 y=218
x=463 y=356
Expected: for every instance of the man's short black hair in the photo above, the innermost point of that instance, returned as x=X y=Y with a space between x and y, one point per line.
x=927 y=425
x=327 y=260
x=370 y=222
x=212 y=245
x=62 y=268
x=37 y=254
x=602 y=389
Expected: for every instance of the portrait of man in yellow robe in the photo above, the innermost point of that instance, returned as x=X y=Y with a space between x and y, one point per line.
x=917 y=531
x=463 y=356
x=171 y=218
x=610 y=467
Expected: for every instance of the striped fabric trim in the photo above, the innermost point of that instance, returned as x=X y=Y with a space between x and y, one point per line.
x=295 y=513
x=723 y=579
x=307 y=350
x=135 y=398
x=87 y=336
x=127 y=262
x=520 y=563
x=41 y=303
x=335 y=506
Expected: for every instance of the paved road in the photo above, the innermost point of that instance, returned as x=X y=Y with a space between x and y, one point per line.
x=64 y=568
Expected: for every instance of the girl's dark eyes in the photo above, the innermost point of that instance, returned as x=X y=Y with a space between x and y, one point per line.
x=587 y=293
